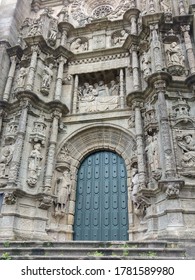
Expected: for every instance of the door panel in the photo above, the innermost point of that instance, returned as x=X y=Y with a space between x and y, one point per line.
x=101 y=202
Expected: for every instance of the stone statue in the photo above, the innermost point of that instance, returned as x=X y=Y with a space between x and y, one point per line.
x=5 y=159
x=21 y=77
x=188 y=147
x=152 y=153
x=53 y=33
x=102 y=89
x=114 y=88
x=146 y=65
x=134 y=185
x=63 y=191
x=175 y=55
x=47 y=78
x=34 y=167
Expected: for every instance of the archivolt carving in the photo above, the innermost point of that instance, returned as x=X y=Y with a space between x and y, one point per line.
x=96 y=138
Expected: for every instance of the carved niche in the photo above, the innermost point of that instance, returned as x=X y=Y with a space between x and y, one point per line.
x=11 y=131
x=100 y=92
x=38 y=133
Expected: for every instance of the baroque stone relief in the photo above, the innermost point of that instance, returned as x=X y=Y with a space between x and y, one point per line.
x=47 y=79
x=98 y=96
x=5 y=159
x=38 y=133
x=186 y=144
x=79 y=45
x=175 y=59
x=119 y=37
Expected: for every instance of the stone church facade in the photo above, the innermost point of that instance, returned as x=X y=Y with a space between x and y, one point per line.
x=97 y=120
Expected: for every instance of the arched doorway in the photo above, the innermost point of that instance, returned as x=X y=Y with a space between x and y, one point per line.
x=101 y=201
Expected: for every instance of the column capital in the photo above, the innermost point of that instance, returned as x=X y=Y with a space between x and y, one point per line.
x=137 y=104
x=56 y=114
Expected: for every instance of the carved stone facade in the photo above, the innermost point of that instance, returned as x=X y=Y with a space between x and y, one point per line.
x=87 y=76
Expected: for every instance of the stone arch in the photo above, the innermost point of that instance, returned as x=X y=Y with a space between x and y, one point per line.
x=94 y=138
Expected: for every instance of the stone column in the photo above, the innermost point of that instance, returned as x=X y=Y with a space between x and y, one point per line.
x=168 y=157
x=140 y=143
x=64 y=38
x=15 y=163
x=156 y=49
x=32 y=68
x=10 y=78
x=122 y=93
x=58 y=91
x=135 y=68
x=189 y=49
x=51 y=152
x=75 y=96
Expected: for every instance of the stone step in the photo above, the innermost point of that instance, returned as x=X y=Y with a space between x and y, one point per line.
x=91 y=250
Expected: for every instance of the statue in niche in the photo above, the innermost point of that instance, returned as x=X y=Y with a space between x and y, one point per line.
x=152 y=153
x=114 y=88
x=34 y=167
x=20 y=81
x=35 y=28
x=175 y=55
x=78 y=46
x=53 y=33
x=187 y=144
x=119 y=40
x=134 y=185
x=47 y=78
x=165 y=6
x=5 y=159
x=146 y=65
x=63 y=188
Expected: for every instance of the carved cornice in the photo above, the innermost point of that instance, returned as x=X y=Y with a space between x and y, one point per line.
x=15 y=51
x=152 y=18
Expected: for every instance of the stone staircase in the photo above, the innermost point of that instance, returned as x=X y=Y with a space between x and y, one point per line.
x=79 y=250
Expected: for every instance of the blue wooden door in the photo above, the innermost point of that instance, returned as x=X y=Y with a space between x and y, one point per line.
x=101 y=200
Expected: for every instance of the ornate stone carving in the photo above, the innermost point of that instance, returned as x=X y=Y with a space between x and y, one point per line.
x=10 y=198
x=46 y=202
x=47 y=78
x=36 y=27
x=11 y=131
x=171 y=188
x=131 y=120
x=63 y=188
x=34 y=167
x=64 y=159
x=146 y=65
x=119 y=37
x=98 y=97
x=20 y=81
x=165 y=6
x=38 y=132
x=79 y=45
x=152 y=152
x=5 y=159
x=175 y=59
x=150 y=120
x=187 y=145
x=52 y=36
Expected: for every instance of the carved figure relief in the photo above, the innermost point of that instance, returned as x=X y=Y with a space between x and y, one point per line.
x=98 y=97
x=5 y=159
x=152 y=153
x=34 y=166
x=187 y=145
x=79 y=45
x=20 y=81
x=35 y=28
x=175 y=55
x=47 y=78
x=146 y=65
x=120 y=37
x=63 y=189
x=53 y=33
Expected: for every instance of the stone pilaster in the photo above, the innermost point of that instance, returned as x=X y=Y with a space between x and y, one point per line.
x=58 y=91
x=32 y=68
x=156 y=48
x=75 y=94
x=189 y=49
x=51 y=152
x=10 y=78
x=17 y=154
x=140 y=143
x=164 y=128
x=122 y=93
x=135 y=67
